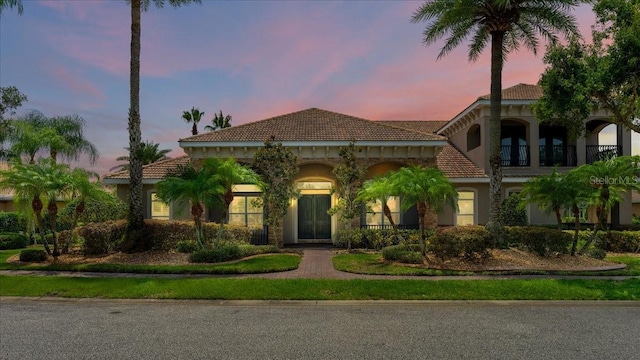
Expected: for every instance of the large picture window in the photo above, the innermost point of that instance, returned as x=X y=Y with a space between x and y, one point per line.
x=159 y=210
x=243 y=212
x=378 y=218
x=466 y=208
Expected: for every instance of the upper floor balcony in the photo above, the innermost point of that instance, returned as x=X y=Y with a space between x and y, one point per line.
x=602 y=152
x=558 y=155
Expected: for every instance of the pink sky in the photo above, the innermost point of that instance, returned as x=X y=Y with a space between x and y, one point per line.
x=250 y=59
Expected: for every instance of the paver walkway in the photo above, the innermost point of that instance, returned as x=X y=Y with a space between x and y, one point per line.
x=316 y=264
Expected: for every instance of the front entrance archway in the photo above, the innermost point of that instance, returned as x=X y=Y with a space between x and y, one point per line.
x=313 y=223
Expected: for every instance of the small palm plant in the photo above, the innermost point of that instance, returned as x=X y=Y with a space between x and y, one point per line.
x=380 y=189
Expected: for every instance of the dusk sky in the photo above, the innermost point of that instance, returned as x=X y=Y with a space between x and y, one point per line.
x=250 y=59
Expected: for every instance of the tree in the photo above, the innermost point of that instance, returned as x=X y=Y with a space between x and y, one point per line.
x=30 y=135
x=609 y=181
x=219 y=122
x=605 y=74
x=135 y=219
x=149 y=154
x=380 y=188
x=82 y=189
x=10 y=98
x=197 y=186
x=193 y=117
x=71 y=129
x=349 y=177
x=428 y=189
x=277 y=167
x=9 y=4
x=506 y=24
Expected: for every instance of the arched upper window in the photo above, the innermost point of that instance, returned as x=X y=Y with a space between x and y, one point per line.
x=473 y=137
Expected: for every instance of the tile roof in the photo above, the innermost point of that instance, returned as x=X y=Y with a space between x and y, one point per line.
x=423 y=126
x=519 y=92
x=156 y=170
x=313 y=125
x=455 y=165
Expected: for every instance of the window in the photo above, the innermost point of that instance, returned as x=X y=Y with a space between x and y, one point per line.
x=568 y=214
x=466 y=208
x=243 y=212
x=378 y=218
x=159 y=210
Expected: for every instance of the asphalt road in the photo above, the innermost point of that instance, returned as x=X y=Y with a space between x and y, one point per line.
x=105 y=329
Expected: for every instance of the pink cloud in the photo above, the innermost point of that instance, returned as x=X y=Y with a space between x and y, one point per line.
x=75 y=81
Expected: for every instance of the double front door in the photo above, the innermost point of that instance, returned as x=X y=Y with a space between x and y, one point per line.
x=313 y=221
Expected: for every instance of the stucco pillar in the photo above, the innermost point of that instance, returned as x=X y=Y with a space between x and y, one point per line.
x=534 y=141
x=581 y=150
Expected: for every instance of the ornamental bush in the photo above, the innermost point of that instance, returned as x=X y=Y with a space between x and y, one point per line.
x=33 y=255
x=541 y=241
x=12 y=222
x=375 y=239
x=10 y=241
x=225 y=252
x=404 y=254
x=465 y=241
x=102 y=238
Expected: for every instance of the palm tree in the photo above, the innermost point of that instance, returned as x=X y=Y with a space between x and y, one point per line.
x=228 y=173
x=82 y=188
x=71 y=129
x=28 y=139
x=428 y=189
x=219 y=121
x=193 y=116
x=149 y=154
x=197 y=186
x=380 y=189
x=507 y=24
x=135 y=220
x=609 y=180
x=8 y=4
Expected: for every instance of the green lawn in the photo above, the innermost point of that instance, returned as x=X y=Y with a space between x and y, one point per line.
x=307 y=289
x=259 y=264
x=371 y=264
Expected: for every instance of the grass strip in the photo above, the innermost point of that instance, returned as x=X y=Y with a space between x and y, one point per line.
x=313 y=289
x=370 y=264
x=255 y=265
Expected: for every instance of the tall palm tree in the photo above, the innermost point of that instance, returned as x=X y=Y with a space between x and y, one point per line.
x=135 y=219
x=428 y=189
x=193 y=117
x=149 y=153
x=8 y=4
x=380 y=189
x=506 y=24
x=219 y=121
x=197 y=186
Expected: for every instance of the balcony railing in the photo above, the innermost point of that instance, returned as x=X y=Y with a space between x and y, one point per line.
x=561 y=155
x=517 y=155
x=602 y=152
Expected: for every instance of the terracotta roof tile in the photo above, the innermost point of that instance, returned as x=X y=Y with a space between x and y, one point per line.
x=156 y=170
x=313 y=125
x=423 y=126
x=455 y=165
x=519 y=92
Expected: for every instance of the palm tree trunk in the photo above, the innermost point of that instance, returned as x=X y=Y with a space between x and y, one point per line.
x=422 y=212
x=228 y=199
x=495 y=151
x=604 y=199
x=52 y=208
x=387 y=213
x=36 y=205
x=558 y=218
x=576 y=224
x=135 y=221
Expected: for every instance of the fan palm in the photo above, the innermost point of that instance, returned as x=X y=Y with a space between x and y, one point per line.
x=193 y=117
x=428 y=189
x=8 y=4
x=135 y=220
x=149 y=154
x=506 y=24
x=219 y=121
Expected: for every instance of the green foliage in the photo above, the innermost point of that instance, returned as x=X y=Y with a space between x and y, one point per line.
x=33 y=255
x=403 y=254
x=193 y=116
x=12 y=221
x=148 y=153
x=349 y=177
x=374 y=239
x=622 y=241
x=277 y=166
x=105 y=208
x=466 y=241
x=511 y=213
x=187 y=246
x=597 y=253
x=219 y=121
x=13 y=241
x=541 y=241
x=10 y=98
x=225 y=252
x=102 y=238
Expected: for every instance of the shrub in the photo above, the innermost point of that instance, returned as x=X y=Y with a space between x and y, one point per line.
x=403 y=254
x=102 y=238
x=622 y=241
x=511 y=213
x=12 y=222
x=466 y=241
x=541 y=241
x=225 y=252
x=33 y=255
x=13 y=241
x=187 y=246
x=375 y=239
x=597 y=253
x=165 y=234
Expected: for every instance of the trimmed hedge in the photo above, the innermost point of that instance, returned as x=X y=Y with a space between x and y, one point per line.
x=33 y=255
x=13 y=241
x=102 y=238
x=541 y=241
x=465 y=241
x=403 y=254
x=375 y=239
x=226 y=252
x=12 y=222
